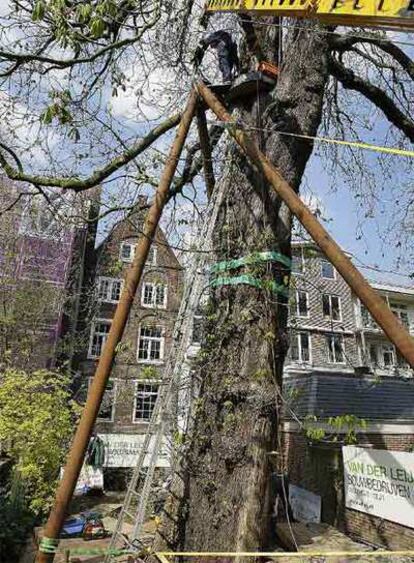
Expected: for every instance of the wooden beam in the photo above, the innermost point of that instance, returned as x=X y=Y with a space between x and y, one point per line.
x=205 y=150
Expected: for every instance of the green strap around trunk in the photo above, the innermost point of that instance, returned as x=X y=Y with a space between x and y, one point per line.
x=247 y=279
x=256 y=258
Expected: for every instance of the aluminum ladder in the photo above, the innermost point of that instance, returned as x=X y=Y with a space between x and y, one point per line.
x=162 y=419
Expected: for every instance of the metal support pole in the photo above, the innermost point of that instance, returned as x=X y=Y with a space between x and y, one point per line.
x=80 y=442
x=205 y=150
x=389 y=323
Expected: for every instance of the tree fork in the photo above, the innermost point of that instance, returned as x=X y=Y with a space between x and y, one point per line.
x=395 y=331
x=80 y=442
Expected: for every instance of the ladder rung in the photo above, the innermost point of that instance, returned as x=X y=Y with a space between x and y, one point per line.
x=129 y=514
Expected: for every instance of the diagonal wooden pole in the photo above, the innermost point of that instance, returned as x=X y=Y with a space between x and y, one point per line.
x=389 y=323
x=205 y=150
x=80 y=442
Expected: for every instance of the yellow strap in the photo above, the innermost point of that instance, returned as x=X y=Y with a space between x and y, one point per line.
x=356 y=144
x=163 y=555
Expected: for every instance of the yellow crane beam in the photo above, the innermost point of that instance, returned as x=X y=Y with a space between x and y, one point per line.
x=396 y=14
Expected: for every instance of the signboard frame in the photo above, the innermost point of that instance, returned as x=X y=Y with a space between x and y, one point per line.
x=380 y=483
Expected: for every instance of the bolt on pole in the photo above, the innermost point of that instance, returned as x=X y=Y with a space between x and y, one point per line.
x=80 y=442
x=389 y=323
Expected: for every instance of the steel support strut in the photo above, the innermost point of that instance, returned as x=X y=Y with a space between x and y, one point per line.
x=389 y=323
x=80 y=442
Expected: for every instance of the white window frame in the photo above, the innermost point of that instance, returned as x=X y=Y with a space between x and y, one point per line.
x=92 y=356
x=388 y=348
x=115 y=390
x=330 y=295
x=323 y=260
x=132 y=247
x=297 y=335
x=301 y=262
x=371 y=322
x=297 y=304
x=143 y=382
x=149 y=262
x=397 y=309
x=332 y=348
x=153 y=304
x=111 y=282
x=380 y=348
x=151 y=338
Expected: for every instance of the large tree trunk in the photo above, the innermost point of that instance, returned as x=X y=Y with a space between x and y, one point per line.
x=224 y=498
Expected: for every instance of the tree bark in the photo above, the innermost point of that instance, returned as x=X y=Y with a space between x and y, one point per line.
x=222 y=500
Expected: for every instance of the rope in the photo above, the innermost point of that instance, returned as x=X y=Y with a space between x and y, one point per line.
x=354 y=144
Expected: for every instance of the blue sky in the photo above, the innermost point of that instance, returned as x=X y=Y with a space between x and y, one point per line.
x=367 y=239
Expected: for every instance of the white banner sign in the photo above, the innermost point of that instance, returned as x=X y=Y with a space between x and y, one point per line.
x=122 y=450
x=306 y=506
x=380 y=482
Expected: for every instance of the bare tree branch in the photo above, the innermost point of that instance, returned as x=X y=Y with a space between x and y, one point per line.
x=351 y=81
x=77 y=184
x=342 y=43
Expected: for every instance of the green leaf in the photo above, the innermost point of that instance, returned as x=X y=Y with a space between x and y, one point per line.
x=38 y=11
x=97 y=27
x=47 y=116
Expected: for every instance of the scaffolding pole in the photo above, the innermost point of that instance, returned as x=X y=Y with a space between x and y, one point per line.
x=389 y=323
x=80 y=442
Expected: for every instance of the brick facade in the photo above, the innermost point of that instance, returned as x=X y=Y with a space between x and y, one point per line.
x=129 y=371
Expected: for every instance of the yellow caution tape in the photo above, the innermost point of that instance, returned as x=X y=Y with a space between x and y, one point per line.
x=164 y=555
x=355 y=144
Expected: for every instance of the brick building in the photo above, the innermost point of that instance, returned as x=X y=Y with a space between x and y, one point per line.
x=137 y=373
x=44 y=252
x=340 y=363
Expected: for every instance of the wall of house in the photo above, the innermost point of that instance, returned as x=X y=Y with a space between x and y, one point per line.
x=308 y=277
x=319 y=469
x=128 y=368
x=40 y=255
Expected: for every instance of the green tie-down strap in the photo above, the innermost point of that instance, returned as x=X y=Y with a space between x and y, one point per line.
x=48 y=545
x=256 y=258
x=247 y=279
